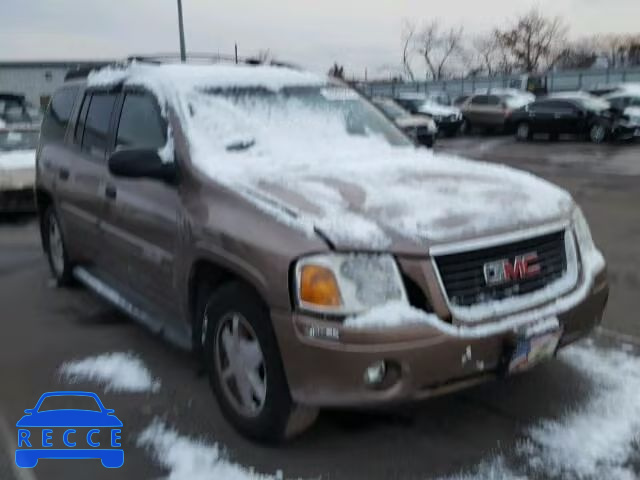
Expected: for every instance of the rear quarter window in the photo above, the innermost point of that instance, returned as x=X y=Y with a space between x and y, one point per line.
x=93 y=124
x=56 y=118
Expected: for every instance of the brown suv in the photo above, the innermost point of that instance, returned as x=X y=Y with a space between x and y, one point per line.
x=281 y=227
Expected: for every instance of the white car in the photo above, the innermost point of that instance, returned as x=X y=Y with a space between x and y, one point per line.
x=17 y=169
x=447 y=118
x=420 y=127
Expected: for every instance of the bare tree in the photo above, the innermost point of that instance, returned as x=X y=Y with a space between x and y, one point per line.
x=408 y=45
x=533 y=40
x=438 y=47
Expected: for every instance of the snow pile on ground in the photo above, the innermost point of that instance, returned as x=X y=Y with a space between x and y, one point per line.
x=597 y=439
x=118 y=372
x=601 y=437
x=188 y=459
x=15 y=159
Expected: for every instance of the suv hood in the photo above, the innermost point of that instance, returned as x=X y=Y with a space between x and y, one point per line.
x=402 y=199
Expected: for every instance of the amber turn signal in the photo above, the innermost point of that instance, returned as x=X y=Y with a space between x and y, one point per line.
x=318 y=286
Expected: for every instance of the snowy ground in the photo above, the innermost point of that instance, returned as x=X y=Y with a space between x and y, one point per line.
x=597 y=437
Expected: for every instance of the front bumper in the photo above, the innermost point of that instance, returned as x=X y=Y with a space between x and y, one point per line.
x=449 y=127
x=626 y=132
x=20 y=200
x=427 y=360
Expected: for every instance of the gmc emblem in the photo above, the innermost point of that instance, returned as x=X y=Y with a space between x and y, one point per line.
x=504 y=271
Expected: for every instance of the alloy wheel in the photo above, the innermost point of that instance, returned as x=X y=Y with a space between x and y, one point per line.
x=523 y=131
x=56 y=246
x=597 y=133
x=240 y=365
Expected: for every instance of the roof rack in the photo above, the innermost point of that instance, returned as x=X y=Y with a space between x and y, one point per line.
x=162 y=58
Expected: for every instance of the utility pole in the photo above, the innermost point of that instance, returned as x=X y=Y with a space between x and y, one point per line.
x=236 y=53
x=183 y=51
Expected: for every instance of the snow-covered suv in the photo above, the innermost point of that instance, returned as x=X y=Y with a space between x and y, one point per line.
x=281 y=227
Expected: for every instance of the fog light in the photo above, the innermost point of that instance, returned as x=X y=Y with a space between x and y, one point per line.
x=374 y=374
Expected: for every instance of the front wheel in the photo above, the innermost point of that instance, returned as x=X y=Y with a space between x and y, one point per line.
x=56 y=250
x=597 y=133
x=245 y=368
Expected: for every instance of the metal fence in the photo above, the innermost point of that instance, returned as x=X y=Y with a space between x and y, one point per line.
x=556 y=82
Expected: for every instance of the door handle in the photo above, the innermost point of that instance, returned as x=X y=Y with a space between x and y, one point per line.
x=110 y=191
x=63 y=174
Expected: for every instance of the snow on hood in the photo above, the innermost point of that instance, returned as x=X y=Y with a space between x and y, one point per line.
x=360 y=191
x=433 y=108
x=17 y=159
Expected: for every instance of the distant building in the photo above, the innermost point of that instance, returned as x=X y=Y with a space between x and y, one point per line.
x=37 y=80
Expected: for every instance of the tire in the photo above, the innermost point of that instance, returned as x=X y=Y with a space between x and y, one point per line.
x=466 y=128
x=523 y=132
x=597 y=133
x=55 y=248
x=235 y=322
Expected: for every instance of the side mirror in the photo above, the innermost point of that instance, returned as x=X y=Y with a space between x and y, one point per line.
x=141 y=163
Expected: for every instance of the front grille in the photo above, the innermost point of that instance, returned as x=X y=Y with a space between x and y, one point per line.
x=463 y=273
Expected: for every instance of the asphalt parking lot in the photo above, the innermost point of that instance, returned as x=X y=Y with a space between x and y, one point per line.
x=507 y=429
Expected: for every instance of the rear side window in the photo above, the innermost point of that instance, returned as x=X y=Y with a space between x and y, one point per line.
x=140 y=123
x=93 y=129
x=57 y=117
x=493 y=100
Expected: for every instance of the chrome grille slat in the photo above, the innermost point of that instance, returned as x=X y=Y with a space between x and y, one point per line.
x=462 y=274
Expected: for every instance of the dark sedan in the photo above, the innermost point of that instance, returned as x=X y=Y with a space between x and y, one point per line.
x=578 y=114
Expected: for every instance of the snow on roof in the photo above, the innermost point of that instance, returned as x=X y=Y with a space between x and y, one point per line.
x=119 y=372
x=191 y=459
x=204 y=76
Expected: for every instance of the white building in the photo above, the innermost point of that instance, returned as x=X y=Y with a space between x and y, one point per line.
x=37 y=80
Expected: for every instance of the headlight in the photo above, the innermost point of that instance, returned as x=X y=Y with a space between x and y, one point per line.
x=347 y=284
x=582 y=231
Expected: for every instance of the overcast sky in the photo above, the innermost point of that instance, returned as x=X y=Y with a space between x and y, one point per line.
x=313 y=33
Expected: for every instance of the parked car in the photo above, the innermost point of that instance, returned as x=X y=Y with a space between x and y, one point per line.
x=491 y=111
x=14 y=109
x=448 y=119
x=281 y=227
x=419 y=127
x=605 y=89
x=18 y=169
x=627 y=125
x=567 y=113
x=623 y=98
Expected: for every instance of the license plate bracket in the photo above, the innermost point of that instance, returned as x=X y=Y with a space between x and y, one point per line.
x=535 y=344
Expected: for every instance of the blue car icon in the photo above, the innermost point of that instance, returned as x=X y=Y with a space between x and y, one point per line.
x=35 y=432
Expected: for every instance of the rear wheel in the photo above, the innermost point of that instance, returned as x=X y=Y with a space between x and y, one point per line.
x=245 y=369
x=523 y=132
x=59 y=264
x=597 y=133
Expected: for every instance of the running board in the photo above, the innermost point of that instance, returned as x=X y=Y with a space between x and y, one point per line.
x=111 y=295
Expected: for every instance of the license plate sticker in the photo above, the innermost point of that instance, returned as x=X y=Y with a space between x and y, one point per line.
x=531 y=349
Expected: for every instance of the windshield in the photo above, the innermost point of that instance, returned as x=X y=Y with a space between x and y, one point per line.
x=18 y=140
x=257 y=119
